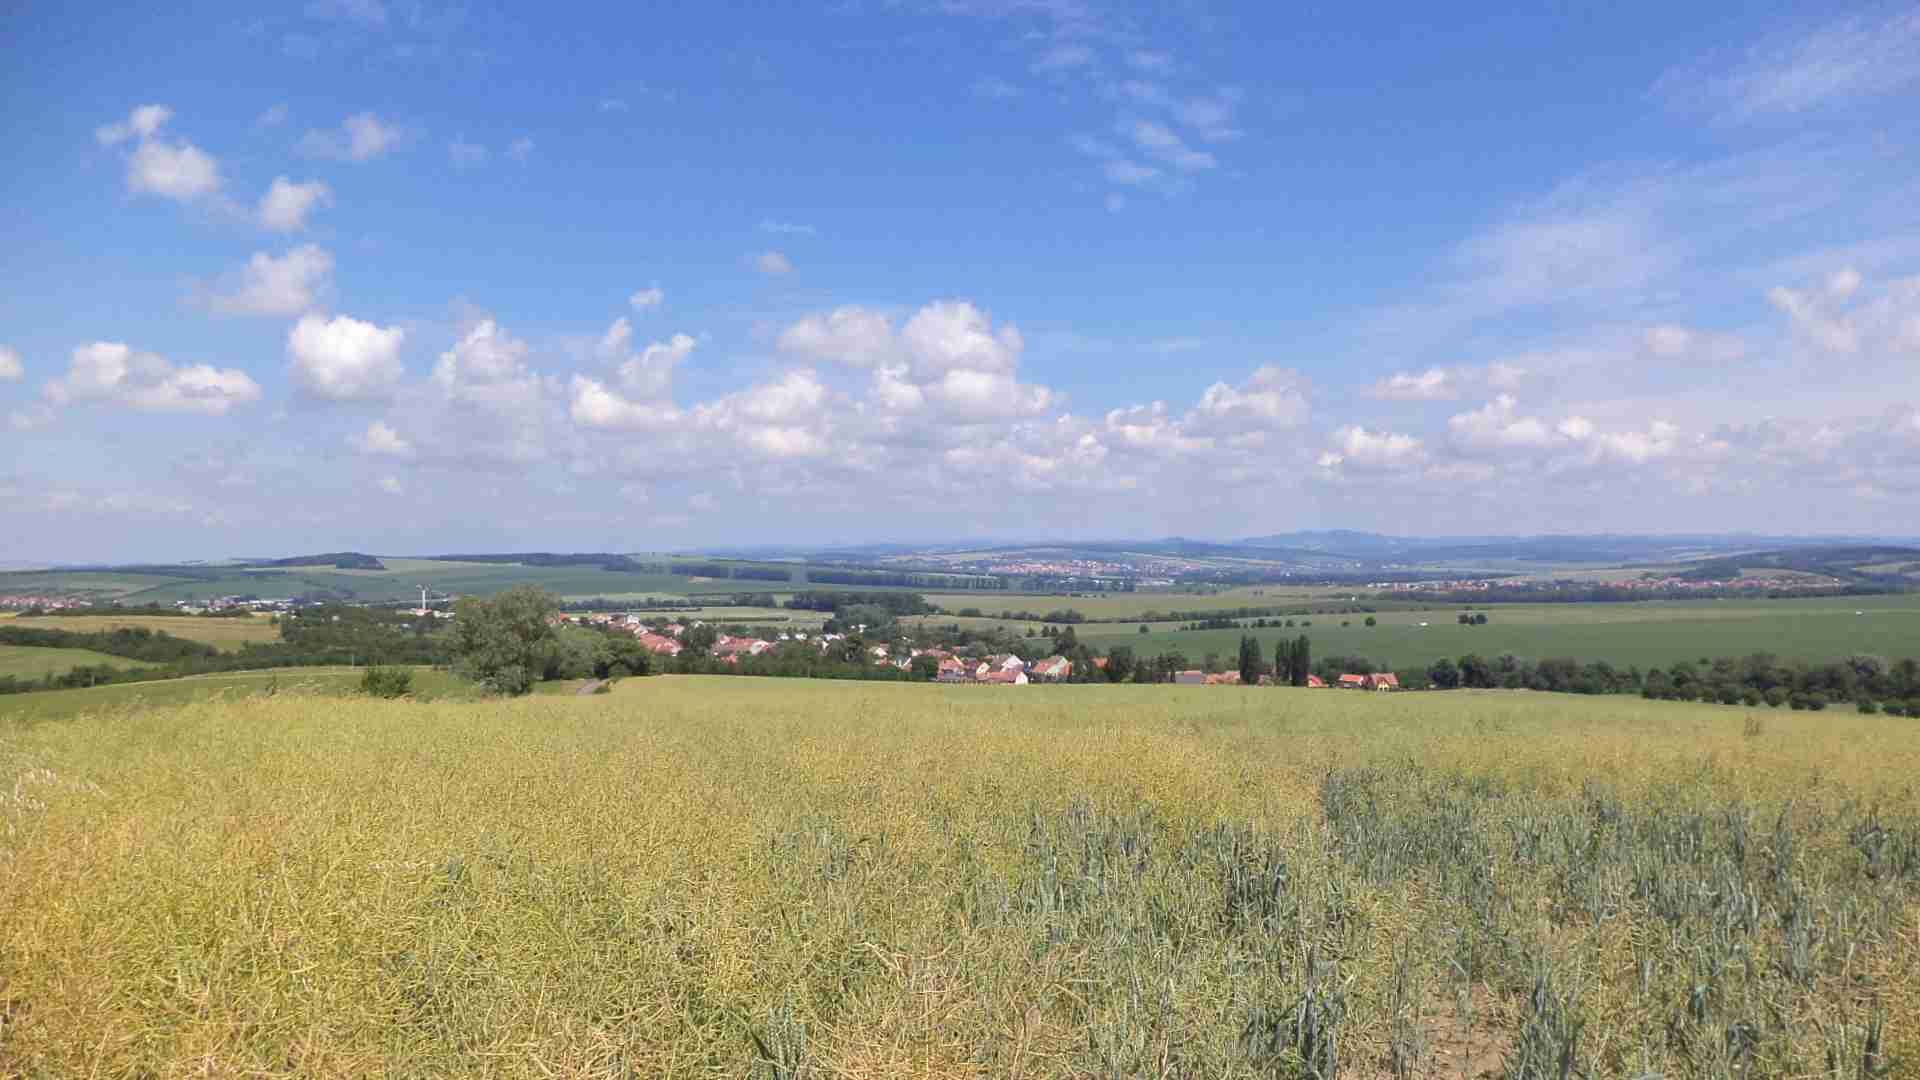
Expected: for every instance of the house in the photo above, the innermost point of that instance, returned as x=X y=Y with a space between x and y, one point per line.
x=740 y=646
x=1225 y=678
x=955 y=668
x=1382 y=680
x=1352 y=682
x=1190 y=678
x=1015 y=677
x=658 y=645
x=1315 y=682
x=1052 y=669
x=1006 y=662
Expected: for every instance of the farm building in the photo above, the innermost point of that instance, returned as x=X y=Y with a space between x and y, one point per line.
x=1052 y=669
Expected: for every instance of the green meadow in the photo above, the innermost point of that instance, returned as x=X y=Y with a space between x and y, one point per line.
x=30 y=662
x=1645 y=633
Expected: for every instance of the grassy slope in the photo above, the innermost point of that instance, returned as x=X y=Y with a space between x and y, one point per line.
x=1642 y=633
x=30 y=662
x=326 y=681
x=891 y=880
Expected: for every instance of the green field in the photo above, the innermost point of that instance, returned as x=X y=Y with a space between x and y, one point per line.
x=226 y=634
x=400 y=581
x=1643 y=634
x=736 y=877
x=1124 y=605
x=31 y=662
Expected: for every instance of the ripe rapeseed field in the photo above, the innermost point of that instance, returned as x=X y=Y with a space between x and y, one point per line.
x=732 y=877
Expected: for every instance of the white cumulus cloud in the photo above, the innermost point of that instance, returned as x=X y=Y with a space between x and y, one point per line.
x=651 y=297
x=772 y=263
x=1356 y=447
x=850 y=335
x=115 y=373
x=173 y=170
x=380 y=440
x=287 y=285
x=595 y=405
x=1273 y=398
x=343 y=358
x=647 y=373
x=285 y=206
x=1498 y=426
x=11 y=369
x=144 y=122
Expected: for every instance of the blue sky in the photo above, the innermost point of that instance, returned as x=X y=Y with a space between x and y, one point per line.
x=409 y=277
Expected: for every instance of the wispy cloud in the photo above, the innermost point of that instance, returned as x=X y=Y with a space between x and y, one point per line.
x=1149 y=60
x=466 y=155
x=771 y=263
x=788 y=228
x=1063 y=58
x=1162 y=143
x=365 y=12
x=1122 y=171
x=995 y=88
x=360 y=137
x=1851 y=60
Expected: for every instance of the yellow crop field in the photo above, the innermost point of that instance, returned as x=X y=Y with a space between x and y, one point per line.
x=226 y=634
x=725 y=877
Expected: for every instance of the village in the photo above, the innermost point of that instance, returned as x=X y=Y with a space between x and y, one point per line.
x=962 y=665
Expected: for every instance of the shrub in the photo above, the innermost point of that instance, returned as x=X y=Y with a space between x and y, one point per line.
x=386 y=682
x=1797 y=702
x=1816 y=701
x=1775 y=697
x=1751 y=698
x=1869 y=706
x=1894 y=708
